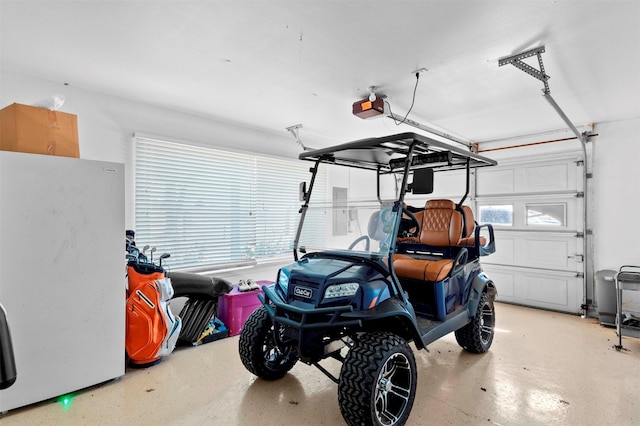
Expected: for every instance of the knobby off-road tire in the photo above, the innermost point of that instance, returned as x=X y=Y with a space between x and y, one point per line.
x=477 y=336
x=378 y=381
x=258 y=350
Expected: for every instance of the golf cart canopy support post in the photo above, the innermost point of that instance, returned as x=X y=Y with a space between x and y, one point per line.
x=467 y=187
x=304 y=208
x=405 y=176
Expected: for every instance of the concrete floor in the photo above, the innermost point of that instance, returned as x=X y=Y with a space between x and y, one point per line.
x=543 y=368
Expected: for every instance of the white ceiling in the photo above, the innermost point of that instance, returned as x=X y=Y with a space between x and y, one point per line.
x=273 y=64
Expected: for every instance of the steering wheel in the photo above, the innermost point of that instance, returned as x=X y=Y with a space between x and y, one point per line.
x=387 y=219
x=406 y=225
x=365 y=238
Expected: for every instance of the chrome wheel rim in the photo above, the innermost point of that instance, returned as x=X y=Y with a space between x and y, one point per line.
x=393 y=389
x=486 y=323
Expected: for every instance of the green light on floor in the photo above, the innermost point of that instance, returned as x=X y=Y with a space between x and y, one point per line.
x=65 y=400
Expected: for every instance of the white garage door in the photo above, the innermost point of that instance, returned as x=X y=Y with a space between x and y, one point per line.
x=536 y=206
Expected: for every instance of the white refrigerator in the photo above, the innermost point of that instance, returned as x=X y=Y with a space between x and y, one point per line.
x=62 y=273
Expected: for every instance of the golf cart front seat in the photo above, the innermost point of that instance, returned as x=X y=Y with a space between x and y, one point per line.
x=440 y=230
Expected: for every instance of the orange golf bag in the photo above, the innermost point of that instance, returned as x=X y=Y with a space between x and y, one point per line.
x=152 y=329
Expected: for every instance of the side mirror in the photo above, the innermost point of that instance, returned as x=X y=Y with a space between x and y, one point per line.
x=422 y=181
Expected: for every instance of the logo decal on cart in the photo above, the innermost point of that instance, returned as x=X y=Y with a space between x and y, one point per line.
x=303 y=292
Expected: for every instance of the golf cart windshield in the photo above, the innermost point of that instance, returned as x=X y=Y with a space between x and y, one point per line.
x=370 y=221
x=362 y=226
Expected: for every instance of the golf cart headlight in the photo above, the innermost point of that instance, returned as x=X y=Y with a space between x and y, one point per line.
x=283 y=279
x=341 y=290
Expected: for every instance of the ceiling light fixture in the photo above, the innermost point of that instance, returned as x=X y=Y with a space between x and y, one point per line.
x=372 y=93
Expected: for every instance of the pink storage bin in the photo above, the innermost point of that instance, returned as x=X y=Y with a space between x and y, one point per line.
x=235 y=307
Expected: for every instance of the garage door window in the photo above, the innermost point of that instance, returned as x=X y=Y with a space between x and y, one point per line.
x=547 y=214
x=214 y=209
x=497 y=214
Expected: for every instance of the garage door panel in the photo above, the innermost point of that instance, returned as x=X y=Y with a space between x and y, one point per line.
x=505 y=250
x=505 y=283
x=546 y=178
x=505 y=280
x=495 y=181
x=546 y=290
x=546 y=253
x=448 y=183
x=536 y=250
x=555 y=291
x=528 y=176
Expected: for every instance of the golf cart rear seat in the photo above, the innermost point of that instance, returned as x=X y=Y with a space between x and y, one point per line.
x=431 y=255
x=476 y=244
x=468 y=238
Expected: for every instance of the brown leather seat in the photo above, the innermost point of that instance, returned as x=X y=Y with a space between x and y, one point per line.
x=468 y=239
x=441 y=226
x=421 y=269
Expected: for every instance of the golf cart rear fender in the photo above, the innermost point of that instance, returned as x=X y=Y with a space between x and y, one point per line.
x=481 y=284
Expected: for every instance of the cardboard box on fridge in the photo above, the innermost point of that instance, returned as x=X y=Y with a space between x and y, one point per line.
x=25 y=128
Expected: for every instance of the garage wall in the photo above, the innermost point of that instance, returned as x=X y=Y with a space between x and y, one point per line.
x=616 y=201
x=106 y=125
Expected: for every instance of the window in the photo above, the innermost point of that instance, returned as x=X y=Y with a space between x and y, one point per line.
x=546 y=214
x=497 y=215
x=216 y=209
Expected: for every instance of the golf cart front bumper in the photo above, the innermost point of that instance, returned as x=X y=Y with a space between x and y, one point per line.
x=305 y=318
x=317 y=332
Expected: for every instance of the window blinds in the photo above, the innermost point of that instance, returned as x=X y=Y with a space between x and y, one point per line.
x=214 y=209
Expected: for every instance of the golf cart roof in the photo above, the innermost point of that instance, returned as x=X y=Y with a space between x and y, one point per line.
x=388 y=154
